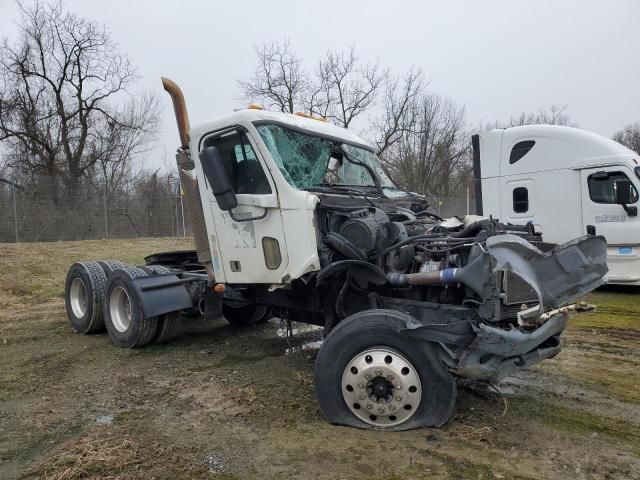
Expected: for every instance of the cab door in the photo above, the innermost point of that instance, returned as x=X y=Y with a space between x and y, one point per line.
x=250 y=237
x=603 y=216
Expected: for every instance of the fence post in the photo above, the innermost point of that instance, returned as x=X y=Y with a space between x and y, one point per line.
x=467 y=200
x=15 y=212
x=184 y=231
x=106 y=219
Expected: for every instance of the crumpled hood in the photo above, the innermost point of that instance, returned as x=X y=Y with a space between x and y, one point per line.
x=560 y=276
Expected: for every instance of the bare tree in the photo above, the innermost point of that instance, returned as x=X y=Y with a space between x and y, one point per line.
x=399 y=109
x=340 y=89
x=346 y=87
x=279 y=80
x=555 y=115
x=59 y=86
x=629 y=136
x=117 y=143
x=431 y=156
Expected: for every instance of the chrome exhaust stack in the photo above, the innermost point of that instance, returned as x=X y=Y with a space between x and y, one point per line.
x=188 y=180
x=180 y=109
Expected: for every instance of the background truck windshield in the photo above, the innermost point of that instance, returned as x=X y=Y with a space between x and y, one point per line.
x=303 y=158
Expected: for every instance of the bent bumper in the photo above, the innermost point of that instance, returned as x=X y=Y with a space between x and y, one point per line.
x=496 y=353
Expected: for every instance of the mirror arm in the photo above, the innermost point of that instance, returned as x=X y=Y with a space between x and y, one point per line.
x=249 y=219
x=632 y=211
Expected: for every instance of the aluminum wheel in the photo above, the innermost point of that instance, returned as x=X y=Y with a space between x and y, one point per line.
x=78 y=297
x=120 y=309
x=381 y=387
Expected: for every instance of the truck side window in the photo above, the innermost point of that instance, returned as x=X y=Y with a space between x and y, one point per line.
x=519 y=150
x=602 y=187
x=240 y=163
x=520 y=200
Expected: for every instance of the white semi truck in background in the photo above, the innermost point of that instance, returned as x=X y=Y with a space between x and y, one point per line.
x=567 y=182
x=295 y=218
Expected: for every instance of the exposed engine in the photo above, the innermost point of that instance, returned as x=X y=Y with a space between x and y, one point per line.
x=420 y=249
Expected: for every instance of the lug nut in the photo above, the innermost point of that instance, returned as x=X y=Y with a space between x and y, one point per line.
x=391 y=376
x=367 y=376
x=369 y=406
x=392 y=408
x=362 y=396
x=381 y=410
x=361 y=385
x=398 y=385
x=378 y=372
x=398 y=398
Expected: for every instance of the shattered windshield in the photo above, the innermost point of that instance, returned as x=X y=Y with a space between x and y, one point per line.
x=308 y=161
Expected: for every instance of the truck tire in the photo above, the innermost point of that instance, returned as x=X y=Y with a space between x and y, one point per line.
x=123 y=315
x=169 y=327
x=110 y=265
x=155 y=269
x=84 y=295
x=369 y=376
x=246 y=315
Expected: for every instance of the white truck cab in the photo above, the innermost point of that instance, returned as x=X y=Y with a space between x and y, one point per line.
x=265 y=156
x=566 y=181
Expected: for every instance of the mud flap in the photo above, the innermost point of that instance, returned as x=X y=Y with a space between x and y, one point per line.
x=161 y=294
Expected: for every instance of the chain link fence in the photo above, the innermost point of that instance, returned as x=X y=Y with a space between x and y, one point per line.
x=31 y=215
x=154 y=209
x=454 y=206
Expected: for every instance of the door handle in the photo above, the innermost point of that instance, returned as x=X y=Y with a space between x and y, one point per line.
x=249 y=219
x=591 y=230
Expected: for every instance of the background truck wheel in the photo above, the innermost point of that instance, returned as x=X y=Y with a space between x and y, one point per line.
x=123 y=313
x=83 y=296
x=110 y=265
x=246 y=315
x=367 y=375
x=169 y=327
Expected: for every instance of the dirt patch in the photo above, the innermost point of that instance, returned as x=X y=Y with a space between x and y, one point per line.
x=226 y=404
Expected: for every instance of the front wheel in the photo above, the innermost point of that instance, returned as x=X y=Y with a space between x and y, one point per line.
x=369 y=375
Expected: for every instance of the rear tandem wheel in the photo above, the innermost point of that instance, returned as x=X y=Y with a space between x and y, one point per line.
x=84 y=295
x=123 y=314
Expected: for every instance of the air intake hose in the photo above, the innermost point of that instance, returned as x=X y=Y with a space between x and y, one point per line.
x=475 y=275
x=440 y=277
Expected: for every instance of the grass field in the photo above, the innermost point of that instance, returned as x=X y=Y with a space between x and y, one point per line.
x=223 y=404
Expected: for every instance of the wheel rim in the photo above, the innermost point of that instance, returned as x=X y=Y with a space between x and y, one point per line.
x=120 y=309
x=381 y=387
x=78 y=298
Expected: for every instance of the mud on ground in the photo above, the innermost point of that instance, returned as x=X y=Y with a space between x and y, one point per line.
x=225 y=404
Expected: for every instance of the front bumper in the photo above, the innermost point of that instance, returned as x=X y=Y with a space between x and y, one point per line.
x=496 y=353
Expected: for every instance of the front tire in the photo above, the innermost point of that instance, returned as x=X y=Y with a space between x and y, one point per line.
x=370 y=376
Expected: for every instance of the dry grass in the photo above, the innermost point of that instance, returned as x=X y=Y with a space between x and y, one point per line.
x=223 y=404
x=115 y=455
x=34 y=272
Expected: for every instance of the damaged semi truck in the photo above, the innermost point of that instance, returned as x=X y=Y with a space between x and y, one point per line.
x=295 y=218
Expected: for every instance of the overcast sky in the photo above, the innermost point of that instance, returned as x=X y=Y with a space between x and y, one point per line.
x=498 y=58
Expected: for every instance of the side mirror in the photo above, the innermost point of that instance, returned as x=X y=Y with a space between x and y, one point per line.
x=624 y=196
x=623 y=187
x=217 y=178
